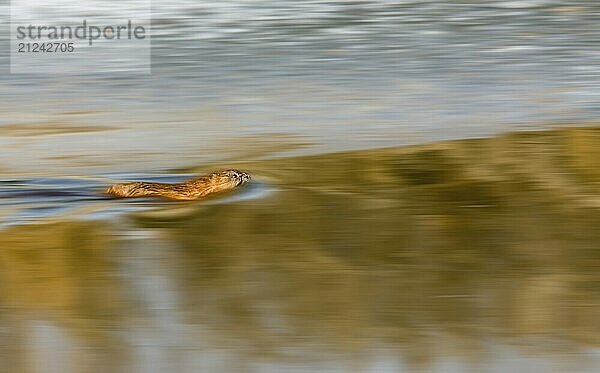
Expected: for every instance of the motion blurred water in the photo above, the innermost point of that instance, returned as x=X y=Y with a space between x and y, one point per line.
x=331 y=74
x=470 y=255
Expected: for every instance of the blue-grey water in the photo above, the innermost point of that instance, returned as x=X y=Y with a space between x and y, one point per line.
x=328 y=75
x=478 y=255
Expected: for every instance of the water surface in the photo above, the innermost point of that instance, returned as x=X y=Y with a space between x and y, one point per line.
x=472 y=255
x=442 y=256
x=330 y=75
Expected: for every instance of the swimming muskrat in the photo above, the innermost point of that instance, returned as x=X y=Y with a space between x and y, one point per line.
x=197 y=188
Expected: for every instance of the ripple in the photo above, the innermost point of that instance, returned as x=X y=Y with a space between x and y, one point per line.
x=32 y=200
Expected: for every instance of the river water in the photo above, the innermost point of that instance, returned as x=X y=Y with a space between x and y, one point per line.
x=327 y=75
x=368 y=241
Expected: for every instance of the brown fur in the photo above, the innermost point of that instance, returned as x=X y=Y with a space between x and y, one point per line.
x=198 y=188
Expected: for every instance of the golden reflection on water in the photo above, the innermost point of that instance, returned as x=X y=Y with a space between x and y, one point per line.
x=420 y=255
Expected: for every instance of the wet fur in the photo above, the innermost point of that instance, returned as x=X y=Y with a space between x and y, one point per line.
x=198 y=188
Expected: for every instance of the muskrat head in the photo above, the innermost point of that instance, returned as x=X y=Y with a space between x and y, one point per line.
x=236 y=176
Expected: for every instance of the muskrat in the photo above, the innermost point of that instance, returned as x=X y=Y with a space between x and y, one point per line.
x=197 y=188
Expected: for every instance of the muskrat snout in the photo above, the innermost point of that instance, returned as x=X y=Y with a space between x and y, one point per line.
x=245 y=177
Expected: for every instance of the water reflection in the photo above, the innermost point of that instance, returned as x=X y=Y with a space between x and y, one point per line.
x=475 y=254
x=59 y=293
